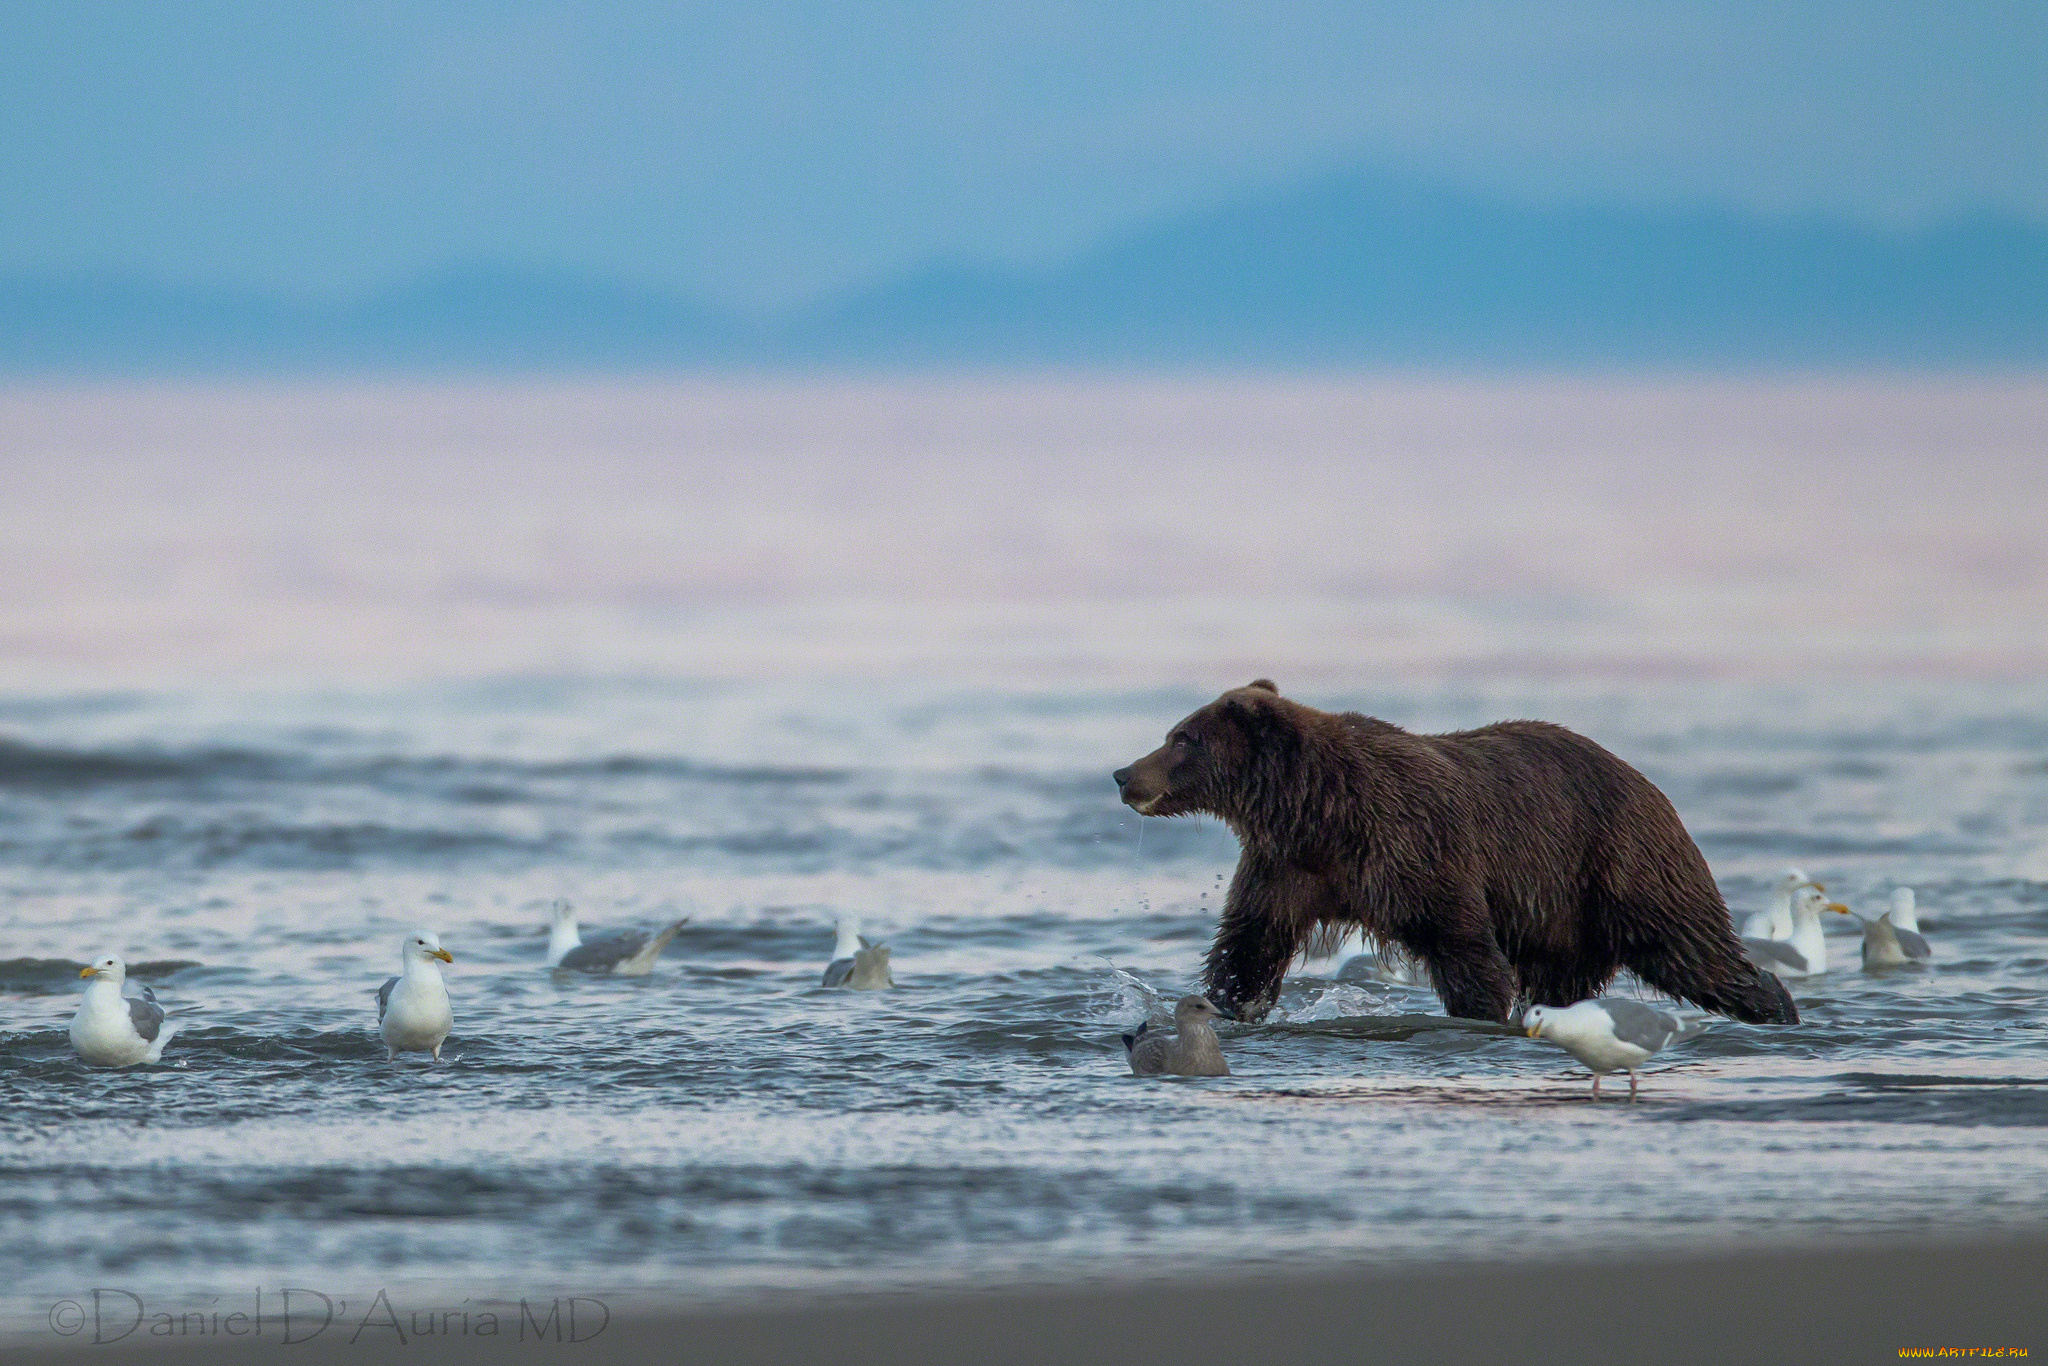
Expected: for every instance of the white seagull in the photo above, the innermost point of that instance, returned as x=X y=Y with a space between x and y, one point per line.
x=413 y=1014
x=1905 y=910
x=623 y=953
x=1607 y=1033
x=1193 y=1050
x=855 y=962
x=1775 y=921
x=1805 y=952
x=112 y=1030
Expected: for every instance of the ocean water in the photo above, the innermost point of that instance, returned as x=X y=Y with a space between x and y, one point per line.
x=727 y=1127
x=290 y=672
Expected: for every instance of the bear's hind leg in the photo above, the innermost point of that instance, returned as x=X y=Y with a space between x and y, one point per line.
x=1702 y=962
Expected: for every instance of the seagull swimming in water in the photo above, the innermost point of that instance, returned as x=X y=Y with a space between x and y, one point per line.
x=1775 y=921
x=855 y=962
x=622 y=953
x=113 y=1030
x=413 y=1014
x=1887 y=946
x=1805 y=953
x=1192 y=1050
x=1607 y=1033
x=1905 y=912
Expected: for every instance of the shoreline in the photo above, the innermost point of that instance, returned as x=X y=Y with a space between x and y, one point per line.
x=1957 y=1299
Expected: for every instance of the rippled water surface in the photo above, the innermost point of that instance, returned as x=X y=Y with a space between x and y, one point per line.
x=728 y=1126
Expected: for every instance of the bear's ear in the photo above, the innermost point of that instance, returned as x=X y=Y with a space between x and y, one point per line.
x=1265 y=683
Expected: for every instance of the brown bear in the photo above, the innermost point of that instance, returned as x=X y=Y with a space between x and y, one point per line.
x=1519 y=859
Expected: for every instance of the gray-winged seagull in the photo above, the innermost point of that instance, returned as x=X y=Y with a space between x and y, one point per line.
x=1805 y=954
x=113 y=1030
x=855 y=962
x=413 y=1014
x=1607 y=1033
x=623 y=953
x=1887 y=946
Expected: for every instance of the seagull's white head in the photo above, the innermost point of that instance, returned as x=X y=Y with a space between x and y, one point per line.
x=110 y=967
x=421 y=945
x=1811 y=900
x=564 y=913
x=1537 y=1020
x=1794 y=879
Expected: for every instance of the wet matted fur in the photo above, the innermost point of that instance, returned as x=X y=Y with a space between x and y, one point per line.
x=1515 y=860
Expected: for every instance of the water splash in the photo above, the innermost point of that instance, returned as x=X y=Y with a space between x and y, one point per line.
x=1340 y=1002
x=1130 y=999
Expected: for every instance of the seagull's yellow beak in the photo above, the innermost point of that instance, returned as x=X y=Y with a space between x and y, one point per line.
x=88 y=972
x=441 y=954
x=1820 y=886
x=1839 y=907
x=1533 y=1029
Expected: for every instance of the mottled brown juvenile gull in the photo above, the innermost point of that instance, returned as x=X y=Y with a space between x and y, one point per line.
x=1607 y=1033
x=622 y=953
x=1887 y=946
x=855 y=962
x=413 y=1014
x=1192 y=1050
x=113 y=1030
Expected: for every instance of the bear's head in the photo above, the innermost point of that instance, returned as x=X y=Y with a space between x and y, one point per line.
x=1207 y=759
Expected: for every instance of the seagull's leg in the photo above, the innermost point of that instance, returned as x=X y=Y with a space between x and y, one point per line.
x=1631 y=1083
x=437 y=1053
x=1596 y=1086
x=390 y=1053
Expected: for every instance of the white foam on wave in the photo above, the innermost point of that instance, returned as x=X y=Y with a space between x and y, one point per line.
x=1340 y=1002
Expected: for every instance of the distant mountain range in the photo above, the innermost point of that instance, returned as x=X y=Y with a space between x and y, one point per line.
x=1348 y=271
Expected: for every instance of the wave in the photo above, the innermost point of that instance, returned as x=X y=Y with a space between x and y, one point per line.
x=49 y=975
x=32 y=767
x=1793 y=844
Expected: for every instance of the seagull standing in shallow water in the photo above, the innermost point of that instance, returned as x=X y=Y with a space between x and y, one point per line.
x=622 y=953
x=113 y=1030
x=855 y=962
x=1607 y=1033
x=413 y=1014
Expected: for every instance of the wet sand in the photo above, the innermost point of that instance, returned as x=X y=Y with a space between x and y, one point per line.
x=1830 y=1305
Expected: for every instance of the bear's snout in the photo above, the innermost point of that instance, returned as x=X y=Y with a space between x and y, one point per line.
x=1141 y=785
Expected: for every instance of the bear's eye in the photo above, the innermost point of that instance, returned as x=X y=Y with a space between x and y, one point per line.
x=1184 y=740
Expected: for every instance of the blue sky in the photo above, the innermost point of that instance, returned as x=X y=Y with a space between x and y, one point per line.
x=761 y=156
